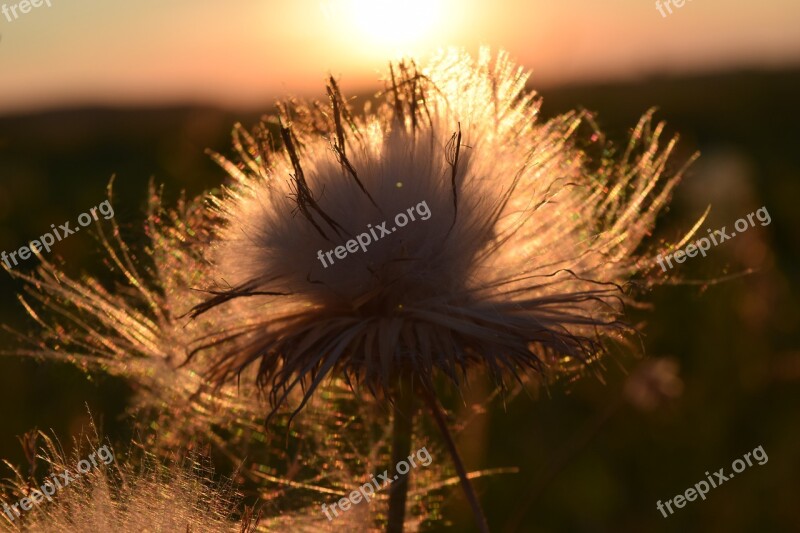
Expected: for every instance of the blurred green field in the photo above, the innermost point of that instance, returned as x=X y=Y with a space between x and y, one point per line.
x=738 y=341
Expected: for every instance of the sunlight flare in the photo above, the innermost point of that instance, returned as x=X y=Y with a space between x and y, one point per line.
x=388 y=27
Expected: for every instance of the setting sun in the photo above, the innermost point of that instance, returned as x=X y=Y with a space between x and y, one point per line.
x=395 y=24
x=388 y=27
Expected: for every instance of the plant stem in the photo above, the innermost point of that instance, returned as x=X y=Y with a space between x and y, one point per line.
x=469 y=491
x=402 y=429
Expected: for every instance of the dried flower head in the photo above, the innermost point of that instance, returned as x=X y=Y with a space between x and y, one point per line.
x=516 y=262
x=126 y=495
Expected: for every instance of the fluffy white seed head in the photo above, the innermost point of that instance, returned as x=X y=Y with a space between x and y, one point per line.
x=520 y=244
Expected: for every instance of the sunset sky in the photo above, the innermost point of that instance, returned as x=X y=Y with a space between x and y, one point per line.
x=243 y=53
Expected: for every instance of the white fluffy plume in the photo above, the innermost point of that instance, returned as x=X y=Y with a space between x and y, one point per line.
x=519 y=265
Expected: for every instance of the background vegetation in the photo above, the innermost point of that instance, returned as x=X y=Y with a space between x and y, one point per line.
x=737 y=341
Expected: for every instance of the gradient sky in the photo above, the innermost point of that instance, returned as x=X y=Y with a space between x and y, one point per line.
x=243 y=53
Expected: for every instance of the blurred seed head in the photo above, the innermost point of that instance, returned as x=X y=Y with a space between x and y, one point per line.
x=654 y=383
x=152 y=496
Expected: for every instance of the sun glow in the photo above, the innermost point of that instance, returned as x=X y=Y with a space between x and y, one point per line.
x=392 y=27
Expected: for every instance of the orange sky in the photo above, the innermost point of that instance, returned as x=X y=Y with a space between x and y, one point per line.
x=246 y=52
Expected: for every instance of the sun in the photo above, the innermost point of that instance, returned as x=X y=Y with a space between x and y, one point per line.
x=393 y=26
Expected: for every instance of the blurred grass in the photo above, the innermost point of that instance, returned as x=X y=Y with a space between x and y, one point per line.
x=738 y=342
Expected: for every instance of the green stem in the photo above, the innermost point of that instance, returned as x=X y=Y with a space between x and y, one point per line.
x=402 y=430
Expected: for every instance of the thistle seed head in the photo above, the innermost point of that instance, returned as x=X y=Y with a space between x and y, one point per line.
x=516 y=259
